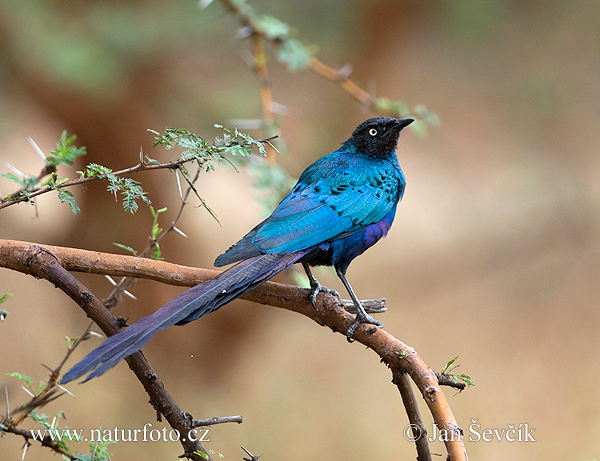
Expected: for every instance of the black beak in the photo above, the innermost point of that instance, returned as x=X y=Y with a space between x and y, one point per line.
x=397 y=125
x=401 y=123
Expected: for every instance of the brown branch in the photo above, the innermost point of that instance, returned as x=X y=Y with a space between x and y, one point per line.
x=47 y=395
x=419 y=434
x=266 y=95
x=260 y=67
x=341 y=78
x=446 y=380
x=46 y=170
x=40 y=262
x=399 y=356
x=46 y=441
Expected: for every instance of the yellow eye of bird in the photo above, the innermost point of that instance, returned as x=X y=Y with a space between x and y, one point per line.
x=373 y=132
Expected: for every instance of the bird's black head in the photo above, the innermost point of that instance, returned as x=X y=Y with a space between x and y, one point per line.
x=378 y=136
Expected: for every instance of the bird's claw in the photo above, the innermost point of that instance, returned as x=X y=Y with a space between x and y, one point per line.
x=316 y=288
x=357 y=321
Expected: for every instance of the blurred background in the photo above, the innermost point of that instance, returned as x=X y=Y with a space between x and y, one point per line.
x=494 y=255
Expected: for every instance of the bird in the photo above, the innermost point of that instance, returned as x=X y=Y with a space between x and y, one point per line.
x=341 y=205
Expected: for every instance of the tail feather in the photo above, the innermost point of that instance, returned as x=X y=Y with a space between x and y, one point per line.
x=188 y=306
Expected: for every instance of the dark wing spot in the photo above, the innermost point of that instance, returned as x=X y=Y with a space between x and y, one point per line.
x=376 y=182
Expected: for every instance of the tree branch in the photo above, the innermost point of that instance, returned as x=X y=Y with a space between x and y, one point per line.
x=40 y=262
x=75 y=182
x=445 y=380
x=397 y=355
x=339 y=76
x=45 y=441
x=419 y=434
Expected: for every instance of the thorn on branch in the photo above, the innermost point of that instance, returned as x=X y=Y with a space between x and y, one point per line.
x=267 y=140
x=345 y=71
x=252 y=457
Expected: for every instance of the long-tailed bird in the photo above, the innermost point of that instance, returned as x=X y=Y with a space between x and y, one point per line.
x=342 y=204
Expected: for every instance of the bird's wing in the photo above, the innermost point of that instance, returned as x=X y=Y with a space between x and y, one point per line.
x=323 y=211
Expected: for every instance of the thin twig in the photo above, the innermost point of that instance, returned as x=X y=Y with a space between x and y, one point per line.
x=216 y=420
x=45 y=441
x=445 y=380
x=340 y=77
x=75 y=182
x=46 y=170
x=333 y=75
x=116 y=295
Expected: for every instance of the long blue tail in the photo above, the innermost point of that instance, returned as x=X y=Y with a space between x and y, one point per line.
x=188 y=306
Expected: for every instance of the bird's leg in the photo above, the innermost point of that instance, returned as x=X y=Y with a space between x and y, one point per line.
x=316 y=287
x=361 y=316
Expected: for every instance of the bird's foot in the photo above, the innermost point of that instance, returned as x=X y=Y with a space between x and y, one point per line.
x=316 y=288
x=357 y=321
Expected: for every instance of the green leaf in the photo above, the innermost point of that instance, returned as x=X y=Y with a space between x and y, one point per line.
x=66 y=196
x=97 y=171
x=295 y=55
x=151 y=161
x=467 y=379
x=126 y=248
x=156 y=231
x=273 y=181
x=27 y=182
x=129 y=189
x=157 y=254
x=14 y=178
x=423 y=116
x=419 y=128
x=206 y=155
x=65 y=152
x=426 y=115
x=273 y=28
x=449 y=366
x=398 y=108
x=26 y=379
x=232 y=144
x=71 y=341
